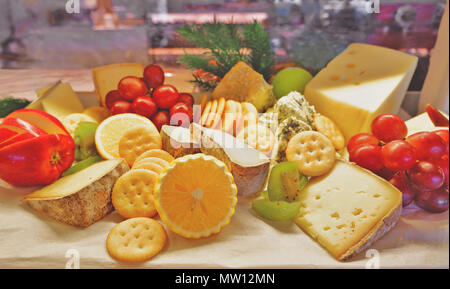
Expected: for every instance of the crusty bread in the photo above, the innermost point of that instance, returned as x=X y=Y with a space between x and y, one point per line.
x=84 y=207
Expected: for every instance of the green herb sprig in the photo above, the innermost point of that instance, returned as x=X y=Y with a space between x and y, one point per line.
x=227 y=44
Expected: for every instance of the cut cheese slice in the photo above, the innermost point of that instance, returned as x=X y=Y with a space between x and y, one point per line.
x=348 y=209
x=422 y=122
x=37 y=103
x=359 y=84
x=106 y=78
x=61 y=101
x=72 y=184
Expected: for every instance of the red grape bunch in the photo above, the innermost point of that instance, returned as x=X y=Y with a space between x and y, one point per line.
x=417 y=164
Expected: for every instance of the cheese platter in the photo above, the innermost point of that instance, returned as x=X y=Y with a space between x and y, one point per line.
x=318 y=172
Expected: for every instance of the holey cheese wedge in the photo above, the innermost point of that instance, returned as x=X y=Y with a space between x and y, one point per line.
x=348 y=209
x=80 y=199
x=359 y=84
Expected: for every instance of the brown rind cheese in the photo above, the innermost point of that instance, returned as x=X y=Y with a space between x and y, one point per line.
x=84 y=207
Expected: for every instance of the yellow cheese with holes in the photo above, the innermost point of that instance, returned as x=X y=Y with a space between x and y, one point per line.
x=361 y=83
x=348 y=209
x=61 y=100
x=106 y=78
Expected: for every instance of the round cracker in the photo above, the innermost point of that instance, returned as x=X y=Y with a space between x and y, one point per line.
x=258 y=137
x=157 y=153
x=155 y=160
x=329 y=128
x=136 y=141
x=205 y=113
x=212 y=114
x=132 y=195
x=229 y=116
x=219 y=113
x=250 y=114
x=151 y=166
x=314 y=153
x=136 y=240
x=239 y=120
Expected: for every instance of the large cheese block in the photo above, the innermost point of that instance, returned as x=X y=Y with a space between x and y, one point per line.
x=106 y=78
x=359 y=84
x=348 y=209
x=80 y=199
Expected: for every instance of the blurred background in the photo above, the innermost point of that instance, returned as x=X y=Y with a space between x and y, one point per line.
x=42 y=34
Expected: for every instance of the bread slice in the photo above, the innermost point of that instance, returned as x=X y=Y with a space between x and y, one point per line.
x=80 y=199
x=348 y=209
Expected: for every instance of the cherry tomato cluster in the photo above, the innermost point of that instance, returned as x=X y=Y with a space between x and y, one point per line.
x=417 y=165
x=150 y=97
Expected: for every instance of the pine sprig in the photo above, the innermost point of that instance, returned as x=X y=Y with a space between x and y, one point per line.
x=261 y=56
x=225 y=44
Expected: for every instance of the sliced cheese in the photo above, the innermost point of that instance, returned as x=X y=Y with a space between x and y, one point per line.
x=71 y=184
x=348 y=209
x=61 y=101
x=178 y=141
x=106 y=78
x=359 y=84
x=422 y=122
x=37 y=103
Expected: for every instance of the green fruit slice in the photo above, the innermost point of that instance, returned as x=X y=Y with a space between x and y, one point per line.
x=285 y=182
x=275 y=211
x=85 y=140
x=289 y=80
x=82 y=165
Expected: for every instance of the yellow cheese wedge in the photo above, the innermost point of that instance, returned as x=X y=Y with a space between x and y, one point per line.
x=37 y=103
x=61 y=100
x=359 y=84
x=72 y=184
x=106 y=78
x=348 y=209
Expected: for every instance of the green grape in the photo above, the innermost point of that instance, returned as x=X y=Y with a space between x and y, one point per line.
x=290 y=79
x=275 y=211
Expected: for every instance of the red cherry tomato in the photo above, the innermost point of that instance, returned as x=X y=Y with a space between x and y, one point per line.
x=154 y=76
x=112 y=97
x=165 y=96
x=361 y=139
x=401 y=182
x=121 y=106
x=368 y=156
x=426 y=176
x=398 y=155
x=131 y=87
x=181 y=114
x=433 y=201
x=186 y=98
x=443 y=164
x=444 y=136
x=389 y=127
x=428 y=145
x=161 y=118
x=144 y=106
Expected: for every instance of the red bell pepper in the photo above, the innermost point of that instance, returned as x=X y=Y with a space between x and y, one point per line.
x=436 y=116
x=37 y=161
